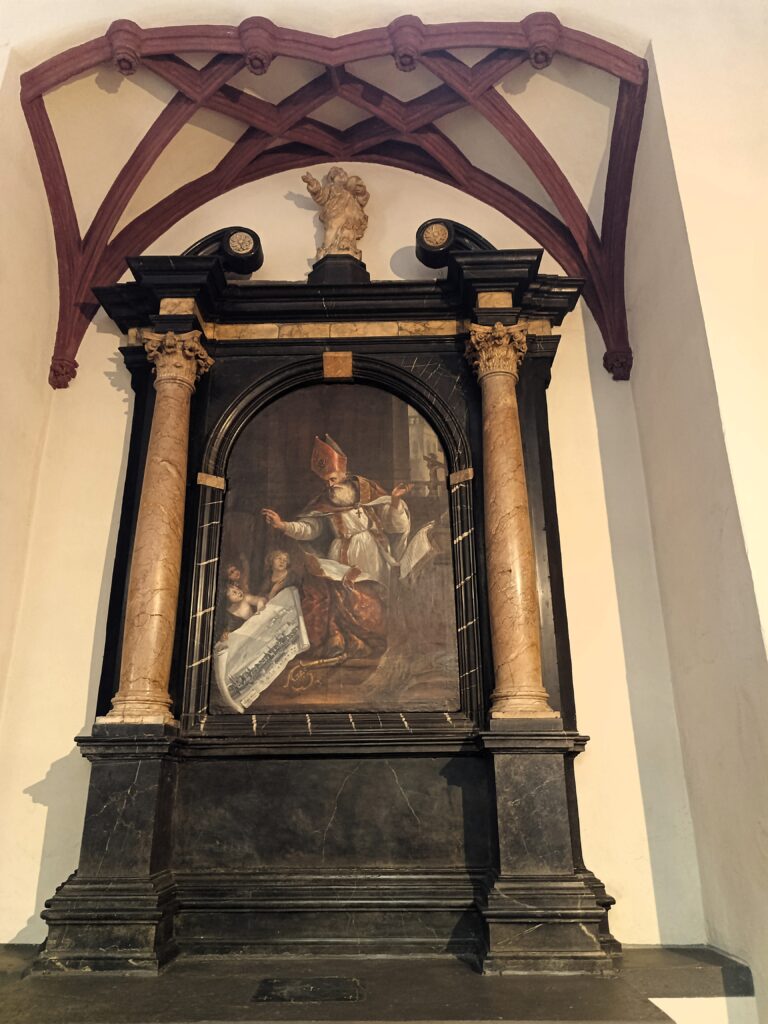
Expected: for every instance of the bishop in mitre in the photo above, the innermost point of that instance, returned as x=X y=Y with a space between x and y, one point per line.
x=354 y=533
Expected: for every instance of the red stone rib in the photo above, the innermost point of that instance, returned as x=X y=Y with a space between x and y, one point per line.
x=281 y=136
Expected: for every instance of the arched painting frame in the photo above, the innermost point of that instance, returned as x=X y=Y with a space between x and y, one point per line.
x=202 y=712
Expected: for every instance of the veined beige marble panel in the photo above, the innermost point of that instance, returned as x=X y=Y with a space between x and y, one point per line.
x=537 y=327
x=349 y=329
x=418 y=328
x=177 y=307
x=337 y=365
x=245 y=332
x=365 y=329
x=494 y=300
x=304 y=331
x=208 y=480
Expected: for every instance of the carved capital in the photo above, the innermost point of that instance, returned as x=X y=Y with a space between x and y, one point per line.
x=497 y=349
x=177 y=358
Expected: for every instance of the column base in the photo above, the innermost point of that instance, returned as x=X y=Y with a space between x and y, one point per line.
x=521 y=706
x=548 y=926
x=138 y=713
x=121 y=925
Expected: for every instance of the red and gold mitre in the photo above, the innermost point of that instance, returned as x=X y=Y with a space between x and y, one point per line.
x=328 y=458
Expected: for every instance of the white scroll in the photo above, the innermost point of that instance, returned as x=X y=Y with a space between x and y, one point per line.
x=255 y=654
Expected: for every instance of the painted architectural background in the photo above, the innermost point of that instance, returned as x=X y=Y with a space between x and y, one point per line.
x=660 y=481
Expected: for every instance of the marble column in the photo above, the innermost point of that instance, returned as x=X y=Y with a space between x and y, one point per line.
x=496 y=353
x=153 y=587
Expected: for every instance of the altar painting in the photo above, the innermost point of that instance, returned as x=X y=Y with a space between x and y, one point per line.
x=335 y=585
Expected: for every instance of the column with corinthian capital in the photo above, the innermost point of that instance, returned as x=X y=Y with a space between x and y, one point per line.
x=153 y=588
x=496 y=353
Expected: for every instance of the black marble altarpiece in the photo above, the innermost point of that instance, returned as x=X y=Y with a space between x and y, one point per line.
x=359 y=802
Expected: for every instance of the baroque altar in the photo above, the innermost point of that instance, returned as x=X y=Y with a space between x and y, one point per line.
x=336 y=711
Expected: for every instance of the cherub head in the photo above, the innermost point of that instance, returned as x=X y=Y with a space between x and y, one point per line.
x=356 y=186
x=234 y=593
x=338 y=176
x=277 y=560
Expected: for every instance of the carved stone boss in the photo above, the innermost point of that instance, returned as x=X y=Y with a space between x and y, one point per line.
x=153 y=587
x=496 y=353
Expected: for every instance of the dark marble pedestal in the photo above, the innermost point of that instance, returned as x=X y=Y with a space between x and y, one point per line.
x=338 y=269
x=542 y=913
x=206 y=847
x=116 y=912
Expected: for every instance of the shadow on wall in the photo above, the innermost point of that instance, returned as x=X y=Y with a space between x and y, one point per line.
x=63 y=790
x=665 y=796
x=710 y=618
x=597 y=88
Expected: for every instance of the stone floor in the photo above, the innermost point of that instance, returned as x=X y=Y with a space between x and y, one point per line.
x=230 y=989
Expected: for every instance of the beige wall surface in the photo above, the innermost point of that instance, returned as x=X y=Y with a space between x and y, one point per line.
x=707 y=584
x=663 y=548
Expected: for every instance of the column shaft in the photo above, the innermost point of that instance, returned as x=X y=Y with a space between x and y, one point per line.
x=512 y=588
x=153 y=589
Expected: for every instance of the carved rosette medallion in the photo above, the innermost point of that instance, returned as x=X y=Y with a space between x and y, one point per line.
x=177 y=358
x=497 y=349
x=241 y=242
x=435 y=235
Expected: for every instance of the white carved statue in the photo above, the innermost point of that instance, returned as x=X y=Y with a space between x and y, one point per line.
x=341 y=200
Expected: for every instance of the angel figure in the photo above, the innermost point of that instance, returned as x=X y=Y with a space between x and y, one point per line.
x=341 y=200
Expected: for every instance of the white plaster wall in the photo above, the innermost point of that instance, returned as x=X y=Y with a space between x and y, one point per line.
x=716 y=112
x=630 y=631
x=707 y=583
x=721 y=1010
x=56 y=658
x=74 y=531
x=24 y=393
x=621 y=667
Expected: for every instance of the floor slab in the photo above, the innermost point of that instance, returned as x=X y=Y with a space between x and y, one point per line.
x=235 y=989
x=224 y=990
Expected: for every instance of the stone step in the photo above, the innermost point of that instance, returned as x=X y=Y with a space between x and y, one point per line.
x=366 y=990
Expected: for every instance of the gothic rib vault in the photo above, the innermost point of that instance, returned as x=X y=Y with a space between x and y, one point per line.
x=285 y=135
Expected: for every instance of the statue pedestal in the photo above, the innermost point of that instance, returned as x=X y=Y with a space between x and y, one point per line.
x=339 y=269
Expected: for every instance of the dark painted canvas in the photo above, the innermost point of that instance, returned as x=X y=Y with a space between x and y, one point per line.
x=335 y=588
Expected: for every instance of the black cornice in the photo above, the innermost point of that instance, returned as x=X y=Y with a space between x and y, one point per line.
x=219 y=300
